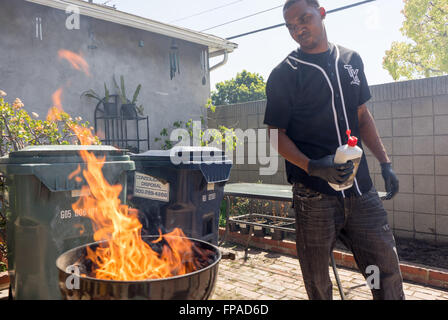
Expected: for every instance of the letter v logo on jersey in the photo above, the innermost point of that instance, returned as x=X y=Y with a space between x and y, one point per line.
x=353 y=74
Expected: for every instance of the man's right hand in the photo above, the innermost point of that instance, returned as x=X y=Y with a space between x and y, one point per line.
x=326 y=169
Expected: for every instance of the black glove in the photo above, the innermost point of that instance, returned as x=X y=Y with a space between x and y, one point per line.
x=326 y=169
x=390 y=180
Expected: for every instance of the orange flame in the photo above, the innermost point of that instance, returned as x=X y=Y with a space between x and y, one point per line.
x=75 y=173
x=76 y=60
x=125 y=255
x=54 y=114
x=84 y=135
x=100 y=134
x=80 y=227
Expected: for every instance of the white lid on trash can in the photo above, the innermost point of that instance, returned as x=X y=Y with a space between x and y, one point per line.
x=188 y=155
x=212 y=162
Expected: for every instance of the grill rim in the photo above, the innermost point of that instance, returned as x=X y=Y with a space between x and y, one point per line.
x=212 y=265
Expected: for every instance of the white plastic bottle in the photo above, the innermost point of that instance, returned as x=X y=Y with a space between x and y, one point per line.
x=349 y=151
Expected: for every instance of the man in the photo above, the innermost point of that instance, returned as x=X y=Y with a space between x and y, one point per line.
x=317 y=93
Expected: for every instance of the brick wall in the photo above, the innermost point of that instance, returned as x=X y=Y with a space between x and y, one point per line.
x=412 y=119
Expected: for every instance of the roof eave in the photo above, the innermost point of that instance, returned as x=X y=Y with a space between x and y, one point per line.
x=215 y=44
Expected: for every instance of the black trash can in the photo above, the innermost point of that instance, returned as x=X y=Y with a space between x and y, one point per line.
x=41 y=222
x=187 y=195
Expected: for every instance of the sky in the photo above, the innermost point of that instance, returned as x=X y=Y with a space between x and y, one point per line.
x=368 y=29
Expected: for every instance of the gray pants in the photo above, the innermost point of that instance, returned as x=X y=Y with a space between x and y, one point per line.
x=360 y=222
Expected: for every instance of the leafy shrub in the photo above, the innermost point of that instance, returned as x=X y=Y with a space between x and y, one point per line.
x=18 y=130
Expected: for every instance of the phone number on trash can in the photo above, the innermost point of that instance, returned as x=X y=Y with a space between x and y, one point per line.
x=160 y=194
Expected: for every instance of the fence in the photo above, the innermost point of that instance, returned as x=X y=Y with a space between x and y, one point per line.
x=412 y=120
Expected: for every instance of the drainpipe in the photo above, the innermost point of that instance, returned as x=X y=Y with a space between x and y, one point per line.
x=223 y=62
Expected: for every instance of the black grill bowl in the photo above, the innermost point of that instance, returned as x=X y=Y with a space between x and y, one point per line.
x=197 y=285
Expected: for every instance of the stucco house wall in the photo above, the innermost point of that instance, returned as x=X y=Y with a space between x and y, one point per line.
x=31 y=69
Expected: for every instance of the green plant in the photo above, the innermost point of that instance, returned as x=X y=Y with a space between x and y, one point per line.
x=240 y=206
x=18 y=129
x=222 y=213
x=3 y=219
x=93 y=95
x=424 y=52
x=222 y=135
x=123 y=96
x=246 y=86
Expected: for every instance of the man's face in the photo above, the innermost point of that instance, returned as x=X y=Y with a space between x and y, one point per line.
x=305 y=26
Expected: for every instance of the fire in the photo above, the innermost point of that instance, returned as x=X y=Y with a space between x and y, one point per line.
x=80 y=227
x=122 y=254
x=75 y=173
x=55 y=112
x=84 y=135
x=76 y=60
x=125 y=255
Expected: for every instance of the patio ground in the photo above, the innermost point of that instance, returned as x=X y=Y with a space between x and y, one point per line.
x=273 y=276
x=267 y=276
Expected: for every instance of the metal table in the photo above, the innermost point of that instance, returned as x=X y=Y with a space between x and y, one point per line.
x=264 y=192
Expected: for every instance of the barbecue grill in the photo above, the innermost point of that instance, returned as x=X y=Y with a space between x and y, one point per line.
x=196 y=285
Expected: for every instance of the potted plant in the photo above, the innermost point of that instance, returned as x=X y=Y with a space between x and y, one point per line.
x=129 y=109
x=110 y=108
x=260 y=231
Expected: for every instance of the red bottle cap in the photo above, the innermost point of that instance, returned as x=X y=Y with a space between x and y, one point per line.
x=352 y=140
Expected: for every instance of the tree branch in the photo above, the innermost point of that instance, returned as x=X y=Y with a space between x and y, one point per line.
x=438 y=8
x=424 y=67
x=14 y=143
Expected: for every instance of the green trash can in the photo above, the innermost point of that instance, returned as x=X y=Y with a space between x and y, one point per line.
x=185 y=195
x=41 y=222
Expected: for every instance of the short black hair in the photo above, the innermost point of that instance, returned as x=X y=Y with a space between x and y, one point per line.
x=289 y=3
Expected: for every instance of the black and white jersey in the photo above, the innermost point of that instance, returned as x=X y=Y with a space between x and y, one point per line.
x=315 y=97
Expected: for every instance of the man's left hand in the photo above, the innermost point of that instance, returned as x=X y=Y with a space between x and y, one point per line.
x=390 y=180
